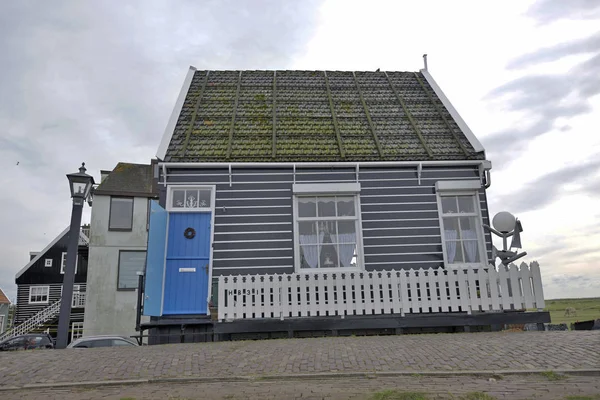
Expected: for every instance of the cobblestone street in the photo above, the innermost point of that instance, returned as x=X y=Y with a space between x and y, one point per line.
x=451 y=387
x=264 y=361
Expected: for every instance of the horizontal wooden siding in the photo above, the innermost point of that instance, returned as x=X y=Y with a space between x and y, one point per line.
x=254 y=217
x=26 y=310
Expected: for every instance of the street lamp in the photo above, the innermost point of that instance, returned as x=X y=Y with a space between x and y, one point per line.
x=81 y=185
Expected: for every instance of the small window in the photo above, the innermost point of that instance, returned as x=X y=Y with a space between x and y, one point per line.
x=48 y=262
x=63 y=262
x=76 y=330
x=120 y=342
x=461 y=226
x=191 y=199
x=130 y=263
x=121 y=214
x=39 y=294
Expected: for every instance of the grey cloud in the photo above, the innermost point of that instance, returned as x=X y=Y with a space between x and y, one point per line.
x=96 y=82
x=545 y=11
x=548 y=188
x=579 y=281
x=544 y=99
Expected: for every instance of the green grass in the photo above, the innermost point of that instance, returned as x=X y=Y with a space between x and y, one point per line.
x=397 y=395
x=586 y=309
x=553 y=376
x=582 y=397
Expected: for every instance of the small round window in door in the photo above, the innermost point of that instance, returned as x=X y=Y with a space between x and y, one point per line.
x=189 y=233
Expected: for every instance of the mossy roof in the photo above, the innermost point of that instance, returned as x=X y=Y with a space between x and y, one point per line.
x=296 y=116
x=128 y=179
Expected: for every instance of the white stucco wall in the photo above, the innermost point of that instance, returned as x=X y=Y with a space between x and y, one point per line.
x=108 y=310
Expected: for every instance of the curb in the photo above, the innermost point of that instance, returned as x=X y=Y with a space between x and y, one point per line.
x=301 y=377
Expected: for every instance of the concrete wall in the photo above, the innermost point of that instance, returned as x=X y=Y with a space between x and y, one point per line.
x=108 y=310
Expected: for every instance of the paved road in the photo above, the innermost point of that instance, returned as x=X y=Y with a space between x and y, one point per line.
x=442 y=352
x=456 y=388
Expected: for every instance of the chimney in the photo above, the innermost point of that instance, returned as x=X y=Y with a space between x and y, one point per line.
x=425 y=61
x=103 y=175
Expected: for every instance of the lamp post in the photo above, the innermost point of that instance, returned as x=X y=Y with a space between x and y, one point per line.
x=81 y=185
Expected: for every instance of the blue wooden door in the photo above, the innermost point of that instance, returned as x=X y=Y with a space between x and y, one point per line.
x=155 y=260
x=187 y=264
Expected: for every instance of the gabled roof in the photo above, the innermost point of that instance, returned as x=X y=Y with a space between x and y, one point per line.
x=83 y=241
x=283 y=116
x=127 y=179
x=3 y=298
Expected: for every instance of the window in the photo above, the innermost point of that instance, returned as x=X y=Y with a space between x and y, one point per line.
x=1 y=323
x=130 y=263
x=461 y=226
x=48 y=262
x=327 y=231
x=120 y=342
x=190 y=199
x=149 y=205
x=121 y=214
x=76 y=330
x=63 y=262
x=39 y=294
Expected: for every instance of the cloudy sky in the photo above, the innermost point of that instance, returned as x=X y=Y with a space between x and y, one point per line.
x=96 y=82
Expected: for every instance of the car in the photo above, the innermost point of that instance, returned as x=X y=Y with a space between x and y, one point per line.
x=101 y=341
x=32 y=341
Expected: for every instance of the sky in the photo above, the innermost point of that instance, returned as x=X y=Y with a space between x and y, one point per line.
x=97 y=81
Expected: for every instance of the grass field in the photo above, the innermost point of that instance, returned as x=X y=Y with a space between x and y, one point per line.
x=586 y=309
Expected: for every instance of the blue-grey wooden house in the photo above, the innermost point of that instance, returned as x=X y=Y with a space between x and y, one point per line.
x=301 y=195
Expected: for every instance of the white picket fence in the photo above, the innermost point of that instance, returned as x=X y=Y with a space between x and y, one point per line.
x=380 y=292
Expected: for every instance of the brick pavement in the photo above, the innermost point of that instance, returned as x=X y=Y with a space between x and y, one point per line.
x=442 y=352
x=507 y=387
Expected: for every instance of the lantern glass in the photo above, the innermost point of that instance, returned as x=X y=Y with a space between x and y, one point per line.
x=504 y=221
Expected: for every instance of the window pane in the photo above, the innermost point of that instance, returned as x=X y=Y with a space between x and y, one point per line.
x=449 y=204
x=307 y=228
x=454 y=252
x=178 y=198
x=466 y=204
x=468 y=228
x=326 y=206
x=191 y=198
x=329 y=257
x=345 y=207
x=130 y=263
x=471 y=251
x=121 y=213
x=451 y=228
x=309 y=255
x=346 y=227
x=327 y=228
x=204 y=198
x=307 y=207
x=119 y=342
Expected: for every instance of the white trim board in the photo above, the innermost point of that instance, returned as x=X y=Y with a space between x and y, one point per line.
x=170 y=128
x=41 y=253
x=455 y=115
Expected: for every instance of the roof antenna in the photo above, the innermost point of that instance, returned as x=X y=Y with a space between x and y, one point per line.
x=425 y=61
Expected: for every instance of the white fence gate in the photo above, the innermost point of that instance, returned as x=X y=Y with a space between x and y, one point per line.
x=380 y=292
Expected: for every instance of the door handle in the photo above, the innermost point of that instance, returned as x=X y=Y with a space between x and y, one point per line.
x=205 y=268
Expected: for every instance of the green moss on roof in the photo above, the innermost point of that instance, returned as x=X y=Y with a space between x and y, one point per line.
x=304 y=124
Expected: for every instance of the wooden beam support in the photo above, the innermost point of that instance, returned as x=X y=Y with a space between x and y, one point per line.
x=190 y=127
x=274 y=94
x=441 y=114
x=235 y=106
x=410 y=118
x=335 y=123
x=371 y=125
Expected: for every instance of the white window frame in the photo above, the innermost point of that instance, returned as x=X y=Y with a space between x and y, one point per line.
x=48 y=262
x=328 y=190
x=462 y=188
x=76 y=327
x=46 y=289
x=172 y=188
x=63 y=262
x=1 y=323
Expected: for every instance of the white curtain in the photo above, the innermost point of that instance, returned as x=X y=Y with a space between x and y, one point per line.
x=451 y=235
x=347 y=244
x=310 y=249
x=470 y=242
